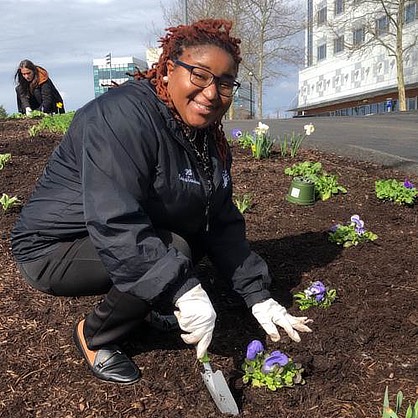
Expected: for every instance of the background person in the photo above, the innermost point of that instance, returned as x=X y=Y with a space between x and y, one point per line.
x=35 y=90
x=136 y=193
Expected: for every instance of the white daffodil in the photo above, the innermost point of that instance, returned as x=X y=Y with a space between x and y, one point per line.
x=309 y=129
x=261 y=128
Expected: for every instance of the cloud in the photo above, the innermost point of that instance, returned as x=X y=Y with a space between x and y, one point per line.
x=64 y=36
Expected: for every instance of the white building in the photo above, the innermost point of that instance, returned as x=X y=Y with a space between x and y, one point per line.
x=340 y=79
x=111 y=71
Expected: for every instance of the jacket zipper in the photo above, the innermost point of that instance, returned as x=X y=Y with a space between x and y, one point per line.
x=208 y=188
x=209 y=195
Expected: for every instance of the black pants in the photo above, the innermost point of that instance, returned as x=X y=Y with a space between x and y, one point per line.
x=75 y=269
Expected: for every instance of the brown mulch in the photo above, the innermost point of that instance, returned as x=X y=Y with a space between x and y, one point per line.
x=366 y=341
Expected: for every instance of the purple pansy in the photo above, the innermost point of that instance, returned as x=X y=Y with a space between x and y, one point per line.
x=334 y=227
x=254 y=347
x=236 y=133
x=408 y=184
x=276 y=357
x=316 y=289
x=359 y=224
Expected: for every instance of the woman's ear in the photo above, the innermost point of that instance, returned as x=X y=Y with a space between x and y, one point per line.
x=170 y=67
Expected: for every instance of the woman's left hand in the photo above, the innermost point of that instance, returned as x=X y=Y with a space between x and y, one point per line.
x=269 y=314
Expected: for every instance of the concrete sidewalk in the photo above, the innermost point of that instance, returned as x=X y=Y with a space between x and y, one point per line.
x=390 y=139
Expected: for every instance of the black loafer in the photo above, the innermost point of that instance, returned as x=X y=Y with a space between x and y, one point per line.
x=107 y=363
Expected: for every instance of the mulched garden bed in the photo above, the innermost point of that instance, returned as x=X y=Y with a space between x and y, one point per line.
x=365 y=341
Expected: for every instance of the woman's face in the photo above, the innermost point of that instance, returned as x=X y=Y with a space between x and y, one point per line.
x=27 y=74
x=197 y=106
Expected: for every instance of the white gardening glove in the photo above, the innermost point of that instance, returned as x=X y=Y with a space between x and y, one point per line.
x=28 y=111
x=269 y=314
x=197 y=317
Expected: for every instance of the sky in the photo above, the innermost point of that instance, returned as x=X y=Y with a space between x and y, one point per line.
x=64 y=36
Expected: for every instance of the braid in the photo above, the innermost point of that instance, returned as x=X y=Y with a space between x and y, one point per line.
x=203 y=32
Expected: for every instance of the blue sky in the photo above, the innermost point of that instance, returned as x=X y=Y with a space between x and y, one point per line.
x=64 y=36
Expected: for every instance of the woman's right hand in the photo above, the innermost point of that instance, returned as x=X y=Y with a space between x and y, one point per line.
x=196 y=316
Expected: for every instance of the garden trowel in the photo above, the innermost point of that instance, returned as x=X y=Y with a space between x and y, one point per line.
x=218 y=389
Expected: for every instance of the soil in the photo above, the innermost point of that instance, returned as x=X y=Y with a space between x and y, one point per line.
x=365 y=341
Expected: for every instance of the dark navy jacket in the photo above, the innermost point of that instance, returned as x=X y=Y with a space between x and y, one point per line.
x=123 y=170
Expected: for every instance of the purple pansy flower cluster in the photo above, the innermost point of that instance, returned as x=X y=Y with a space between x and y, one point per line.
x=358 y=224
x=316 y=289
x=236 y=133
x=254 y=347
x=275 y=358
x=408 y=184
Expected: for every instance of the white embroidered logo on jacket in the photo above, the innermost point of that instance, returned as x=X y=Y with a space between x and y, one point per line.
x=188 y=176
x=226 y=179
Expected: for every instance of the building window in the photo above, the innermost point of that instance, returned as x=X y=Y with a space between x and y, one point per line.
x=412 y=103
x=358 y=36
x=338 y=7
x=322 y=16
x=410 y=12
x=322 y=52
x=339 y=44
x=382 y=26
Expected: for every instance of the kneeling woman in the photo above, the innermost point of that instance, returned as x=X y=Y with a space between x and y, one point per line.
x=136 y=193
x=35 y=90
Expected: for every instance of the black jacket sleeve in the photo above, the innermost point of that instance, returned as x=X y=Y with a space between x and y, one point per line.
x=22 y=99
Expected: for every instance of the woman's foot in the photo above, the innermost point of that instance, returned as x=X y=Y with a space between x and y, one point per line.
x=107 y=363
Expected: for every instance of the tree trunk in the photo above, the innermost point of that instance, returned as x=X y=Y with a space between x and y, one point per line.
x=399 y=57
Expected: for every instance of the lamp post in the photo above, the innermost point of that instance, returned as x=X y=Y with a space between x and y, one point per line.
x=185 y=12
x=109 y=63
x=250 y=75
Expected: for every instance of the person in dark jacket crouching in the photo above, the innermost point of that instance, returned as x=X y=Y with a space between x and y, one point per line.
x=136 y=193
x=35 y=90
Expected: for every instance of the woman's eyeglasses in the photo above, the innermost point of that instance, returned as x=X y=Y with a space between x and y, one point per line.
x=204 y=78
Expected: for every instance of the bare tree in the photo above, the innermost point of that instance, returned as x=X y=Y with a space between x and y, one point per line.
x=381 y=22
x=267 y=29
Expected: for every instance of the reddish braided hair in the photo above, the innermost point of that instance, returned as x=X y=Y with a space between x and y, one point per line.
x=203 y=32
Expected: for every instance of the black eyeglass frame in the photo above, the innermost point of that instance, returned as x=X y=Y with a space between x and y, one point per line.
x=218 y=80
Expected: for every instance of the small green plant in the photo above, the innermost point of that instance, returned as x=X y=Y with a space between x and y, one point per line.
x=325 y=184
x=274 y=370
x=388 y=412
x=35 y=114
x=16 y=116
x=291 y=143
x=402 y=193
x=244 y=202
x=8 y=202
x=351 y=234
x=3 y=113
x=246 y=140
x=315 y=295
x=53 y=123
x=4 y=158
